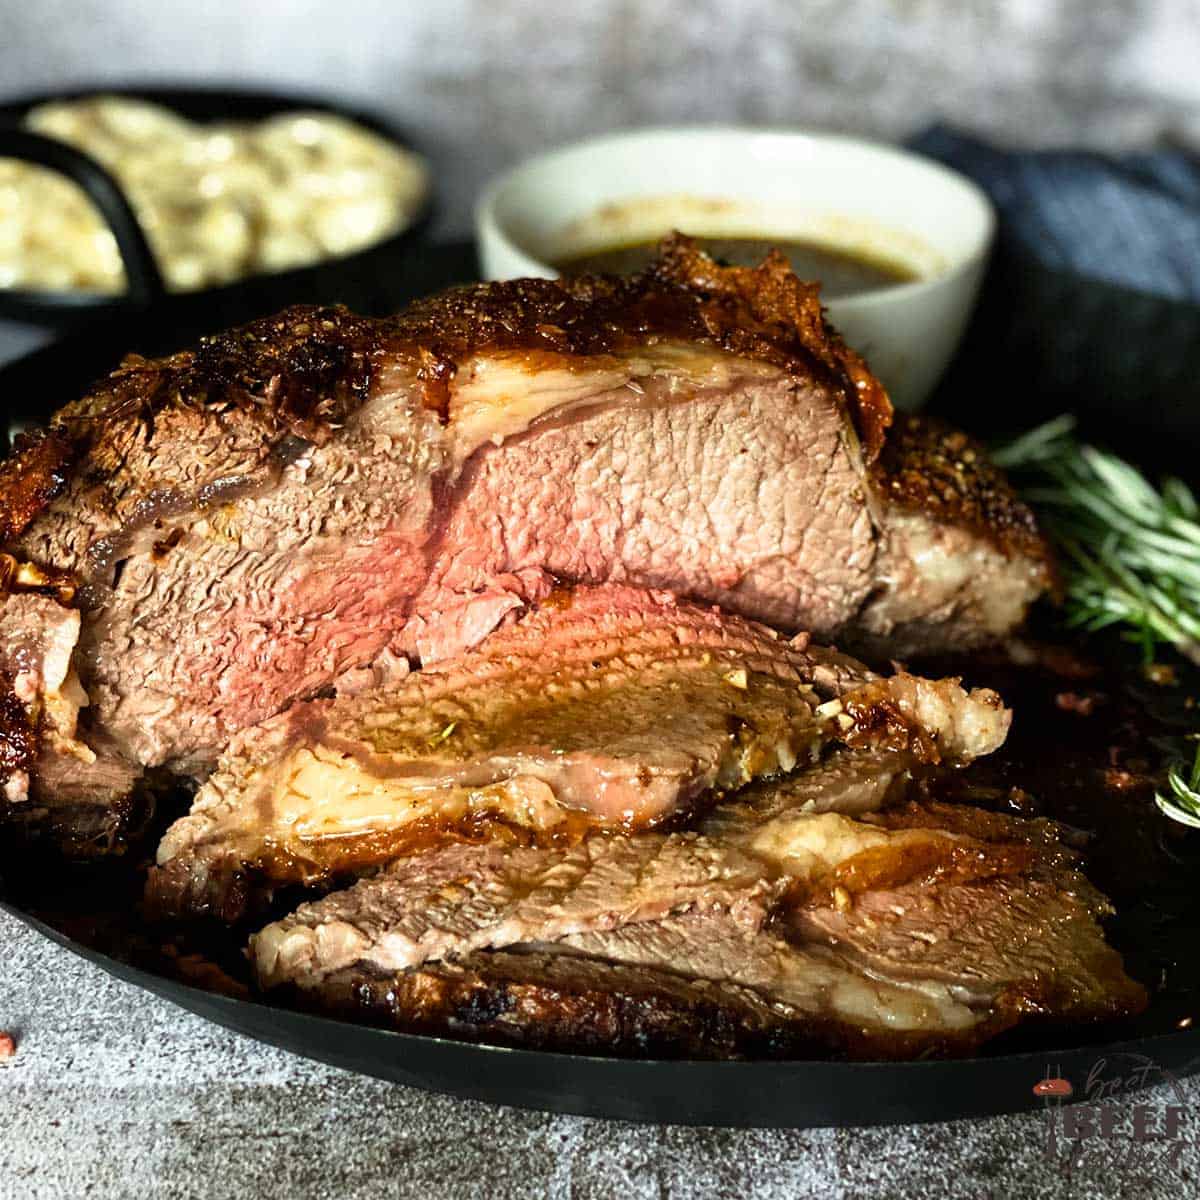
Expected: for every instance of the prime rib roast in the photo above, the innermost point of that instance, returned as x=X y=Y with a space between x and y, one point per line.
x=608 y=707
x=250 y=522
x=918 y=929
x=496 y=630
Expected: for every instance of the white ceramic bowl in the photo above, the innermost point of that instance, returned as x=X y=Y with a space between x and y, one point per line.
x=727 y=182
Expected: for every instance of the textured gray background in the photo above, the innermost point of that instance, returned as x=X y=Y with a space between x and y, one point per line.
x=484 y=82
x=113 y=1093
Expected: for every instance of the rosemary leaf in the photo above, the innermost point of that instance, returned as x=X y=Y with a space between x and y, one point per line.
x=1182 y=801
x=1130 y=551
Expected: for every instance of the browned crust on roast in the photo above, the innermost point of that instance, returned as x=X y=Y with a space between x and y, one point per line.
x=929 y=467
x=302 y=372
x=30 y=477
x=558 y=1002
x=578 y=1005
x=305 y=371
x=766 y=312
x=762 y=313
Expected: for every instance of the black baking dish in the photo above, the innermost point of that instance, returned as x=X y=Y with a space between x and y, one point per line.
x=246 y=298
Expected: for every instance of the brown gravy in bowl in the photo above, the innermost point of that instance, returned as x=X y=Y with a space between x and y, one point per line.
x=841 y=272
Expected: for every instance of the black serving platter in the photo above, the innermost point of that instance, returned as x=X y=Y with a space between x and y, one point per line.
x=1158 y=932
x=248 y=297
x=761 y=1094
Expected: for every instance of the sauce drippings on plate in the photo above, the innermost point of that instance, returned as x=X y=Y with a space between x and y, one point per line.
x=841 y=272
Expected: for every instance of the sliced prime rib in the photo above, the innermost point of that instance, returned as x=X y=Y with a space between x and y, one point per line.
x=250 y=521
x=569 y=1002
x=504 y=895
x=665 y=989
x=608 y=707
x=676 y=903
x=918 y=928
x=833 y=1003
x=1017 y=930
x=460 y=898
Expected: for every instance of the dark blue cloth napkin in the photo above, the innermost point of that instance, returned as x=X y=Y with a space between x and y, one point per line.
x=1131 y=220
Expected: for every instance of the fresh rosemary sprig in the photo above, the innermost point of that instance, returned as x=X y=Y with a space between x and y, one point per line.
x=1182 y=801
x=1130 y=556
x=1130 y=552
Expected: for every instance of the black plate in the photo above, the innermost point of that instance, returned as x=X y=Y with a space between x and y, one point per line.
x=756 y=1094
x=250 y=297
x=782 y=1094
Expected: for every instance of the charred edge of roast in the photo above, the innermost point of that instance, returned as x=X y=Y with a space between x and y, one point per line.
x=308 y=369
x=574 y=1004
x=927 y=466
x=220 y=887
x=32 y=475
x=791 y=327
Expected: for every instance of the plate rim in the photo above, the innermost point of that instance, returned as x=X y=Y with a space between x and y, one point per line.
x=1168 y=1050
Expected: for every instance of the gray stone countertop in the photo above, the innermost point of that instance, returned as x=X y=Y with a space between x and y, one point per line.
x=116 y=1093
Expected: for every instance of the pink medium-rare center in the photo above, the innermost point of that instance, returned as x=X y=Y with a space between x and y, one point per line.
x=320 y=495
